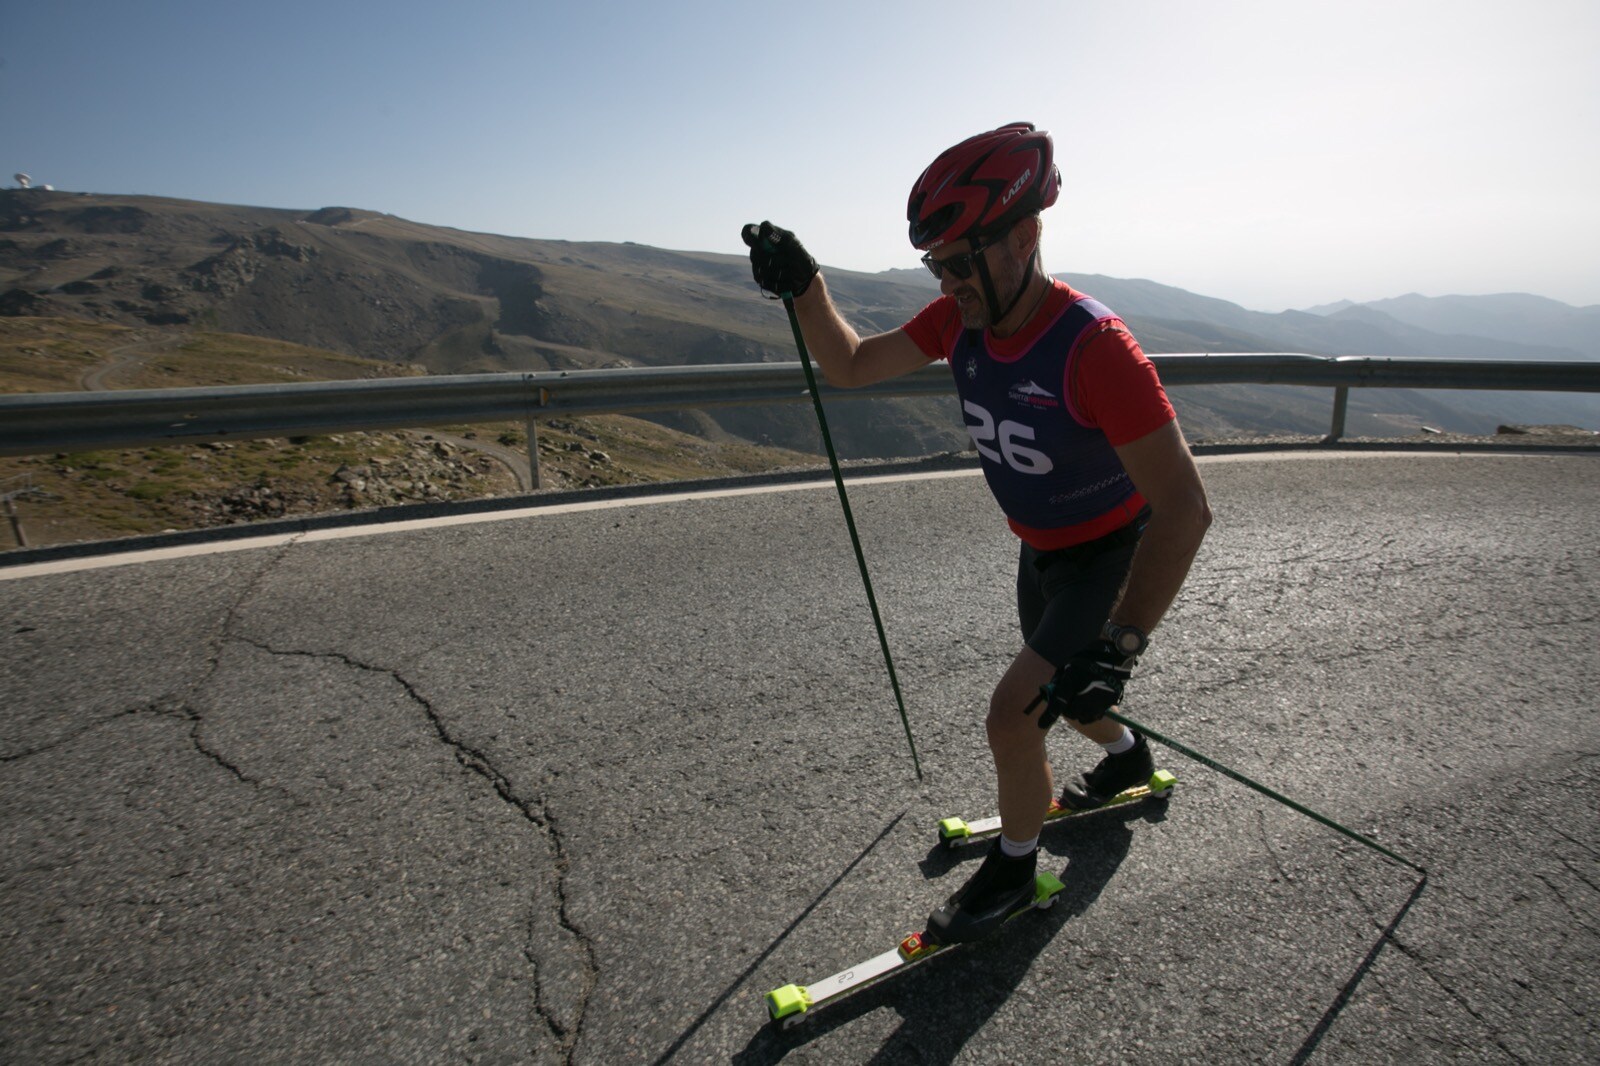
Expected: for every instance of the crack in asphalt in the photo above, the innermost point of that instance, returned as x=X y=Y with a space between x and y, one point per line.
x=1575 y=872
x=1578 y=918
x=176 y=705
x=158 y=709
x=536 y=812
x=1364 y=971
x=1461 y=1001
x=196 y=721
x=1283 y=875
x=76 y=734
x=185 y=704
x=1390 y=936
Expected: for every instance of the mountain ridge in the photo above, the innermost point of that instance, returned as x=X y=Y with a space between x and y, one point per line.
x=1512 y=316
x=373 y=285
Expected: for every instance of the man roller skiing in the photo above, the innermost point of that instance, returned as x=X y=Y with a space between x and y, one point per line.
x=1079 y=446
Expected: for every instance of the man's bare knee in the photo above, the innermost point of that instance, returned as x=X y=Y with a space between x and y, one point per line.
x=1009 y=729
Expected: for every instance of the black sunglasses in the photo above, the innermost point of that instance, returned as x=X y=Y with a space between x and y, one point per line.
x=959 y=265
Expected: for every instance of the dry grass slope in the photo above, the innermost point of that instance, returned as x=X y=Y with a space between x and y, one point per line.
x=96 y=495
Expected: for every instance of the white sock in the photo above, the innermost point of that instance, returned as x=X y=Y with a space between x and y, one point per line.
x=1123 y=743
x=1012 y=850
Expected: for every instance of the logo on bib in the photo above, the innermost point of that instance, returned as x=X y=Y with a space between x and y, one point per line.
x=1031 y=395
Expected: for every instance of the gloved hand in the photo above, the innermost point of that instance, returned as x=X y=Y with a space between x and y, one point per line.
x=780 y=263
x=1087 y=685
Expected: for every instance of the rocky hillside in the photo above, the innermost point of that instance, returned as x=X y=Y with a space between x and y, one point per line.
x=382 y=288
x=100 y=494
x=367 y=285
x=104 y=494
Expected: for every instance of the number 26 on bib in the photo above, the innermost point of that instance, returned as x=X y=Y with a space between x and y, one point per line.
x=985 y=434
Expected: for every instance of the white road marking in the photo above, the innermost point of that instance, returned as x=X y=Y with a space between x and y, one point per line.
x=132 y=558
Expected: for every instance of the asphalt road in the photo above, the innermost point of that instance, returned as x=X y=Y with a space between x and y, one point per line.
x=582 y=786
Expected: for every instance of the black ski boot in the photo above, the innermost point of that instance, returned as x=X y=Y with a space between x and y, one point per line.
x=1114 y=774
x=1001 y=887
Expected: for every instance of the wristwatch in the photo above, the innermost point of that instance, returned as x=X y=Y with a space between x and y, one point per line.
x=1128 y=640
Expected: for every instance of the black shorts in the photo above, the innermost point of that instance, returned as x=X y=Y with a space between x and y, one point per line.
x=1065 y=596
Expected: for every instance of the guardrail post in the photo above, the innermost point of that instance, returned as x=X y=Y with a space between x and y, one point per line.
x=1341 y=404
x=535 y=481
x=16 y=523
x=24 y=487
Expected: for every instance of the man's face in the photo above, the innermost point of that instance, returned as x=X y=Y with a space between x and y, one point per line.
x=1004 y=268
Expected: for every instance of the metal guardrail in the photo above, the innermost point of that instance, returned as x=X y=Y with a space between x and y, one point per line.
x=1345 y=372
x=37 y=423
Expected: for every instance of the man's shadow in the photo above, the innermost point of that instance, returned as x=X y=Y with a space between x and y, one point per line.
x=944 y=1001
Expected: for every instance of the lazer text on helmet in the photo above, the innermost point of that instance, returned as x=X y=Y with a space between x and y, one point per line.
x=1016 y=186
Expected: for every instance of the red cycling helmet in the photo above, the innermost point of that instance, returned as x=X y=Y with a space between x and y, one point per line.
x=983 y=185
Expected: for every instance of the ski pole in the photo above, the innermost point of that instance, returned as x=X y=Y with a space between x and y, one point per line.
x=850 y=522
x=1265 y=791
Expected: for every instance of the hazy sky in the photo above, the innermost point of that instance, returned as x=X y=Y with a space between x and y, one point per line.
x=1280 y=153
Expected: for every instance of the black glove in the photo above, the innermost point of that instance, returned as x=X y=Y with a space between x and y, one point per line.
x=780 y=263
x=1087 y=686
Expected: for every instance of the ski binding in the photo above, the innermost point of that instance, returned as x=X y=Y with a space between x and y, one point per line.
x=953 y=832
x=788 y=1005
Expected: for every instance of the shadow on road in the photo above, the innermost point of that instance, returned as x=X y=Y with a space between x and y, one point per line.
x=1345 y=993
x=945 y=1001
x=716 y=1004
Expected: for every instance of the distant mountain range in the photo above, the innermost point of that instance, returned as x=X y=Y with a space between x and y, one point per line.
x=1513 y=317
x=1508 y=326
x=363 y=283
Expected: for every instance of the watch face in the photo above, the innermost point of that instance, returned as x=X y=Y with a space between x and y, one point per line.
x=1130 y=641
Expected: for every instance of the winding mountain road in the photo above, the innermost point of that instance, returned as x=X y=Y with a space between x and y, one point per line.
x=125 y=357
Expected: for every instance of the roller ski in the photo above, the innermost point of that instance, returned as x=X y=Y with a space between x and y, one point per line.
x=1081 y=796
x=983 y=904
